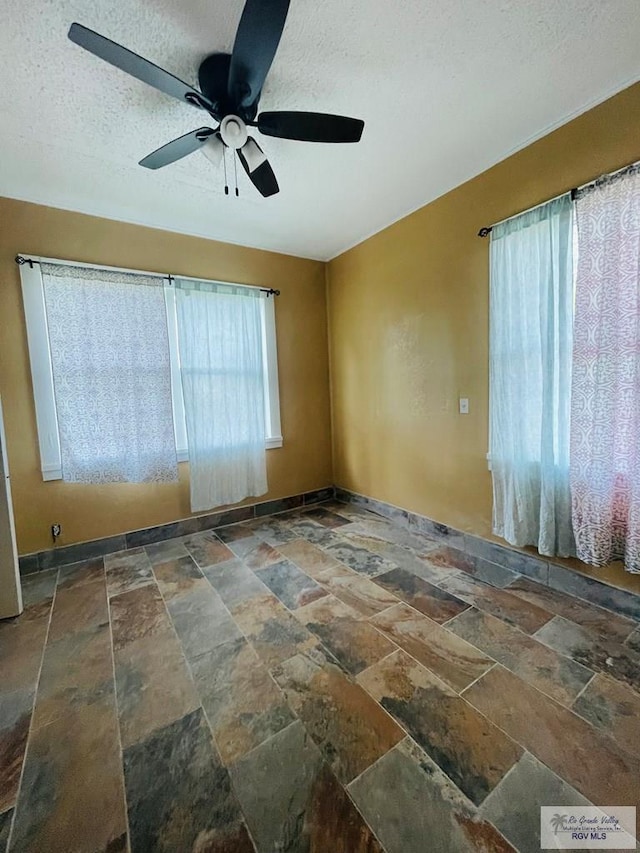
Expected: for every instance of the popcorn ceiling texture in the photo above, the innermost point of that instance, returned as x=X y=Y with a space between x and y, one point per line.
x=446 y=90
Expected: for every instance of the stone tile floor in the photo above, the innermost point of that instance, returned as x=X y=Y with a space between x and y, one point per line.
x=321 y=681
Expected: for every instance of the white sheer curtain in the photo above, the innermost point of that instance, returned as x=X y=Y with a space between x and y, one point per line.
x=531 y=307
x=220 y=343
x=110 y=358
x=605 y=416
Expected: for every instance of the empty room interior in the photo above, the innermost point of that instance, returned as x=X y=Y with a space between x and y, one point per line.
x=319 y=426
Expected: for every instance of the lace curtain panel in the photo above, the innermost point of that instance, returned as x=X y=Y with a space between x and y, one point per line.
x=605 y=416
x=531 y=308
x=110 y=357
x=221 y=366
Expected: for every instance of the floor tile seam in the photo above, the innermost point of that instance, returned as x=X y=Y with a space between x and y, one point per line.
x=621 y=746
x=33 y=709
x=580 y=601
x=550 y=566
x=489 y=657
x=290 y=610
x=216 y=747
x=336 y=563
x=182 y=652
x=626 y=642
x=424 y=666
x=198 y=696
x=323 y=644
x=347 y=541
x=117 y=712
x=386 y=609
x=377 y=761
x=111 y=569
x=481 y=606
x=436 y=585
x=604 y=642
x=149 y=582
x=517 y=671
x=81 y=583
x=582 y=691
x=593 y=603
x=524 y=634
x=615 y=747
x=324 y=762
x=377 y=663
x=475 y=808
x=206 y=716
x=355 y=682
x=262 y=663
x=503 y=780
x=511 y=739
x=348 y=794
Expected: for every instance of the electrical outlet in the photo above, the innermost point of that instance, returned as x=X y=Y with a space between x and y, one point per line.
x=464 y=405
x=56 y=530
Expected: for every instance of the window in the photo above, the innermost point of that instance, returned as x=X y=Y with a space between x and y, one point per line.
x=47 y=312
x=531 y=298
x=565 y=374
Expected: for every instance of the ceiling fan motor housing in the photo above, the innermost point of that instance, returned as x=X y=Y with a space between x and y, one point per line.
x=213 y=77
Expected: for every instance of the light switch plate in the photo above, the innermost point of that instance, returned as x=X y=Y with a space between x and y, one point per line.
x=464 y=405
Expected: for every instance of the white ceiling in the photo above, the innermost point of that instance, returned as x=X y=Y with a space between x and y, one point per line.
x=446 y=89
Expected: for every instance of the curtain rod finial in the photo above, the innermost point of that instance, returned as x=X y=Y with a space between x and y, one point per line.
x=484 y=232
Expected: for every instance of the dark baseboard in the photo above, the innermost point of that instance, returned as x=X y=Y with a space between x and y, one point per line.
x=492 y=561
x=65 y=554
x=495 y=562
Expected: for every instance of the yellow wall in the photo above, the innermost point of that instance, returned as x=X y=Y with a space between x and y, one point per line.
x=88 y=512
x=408 y=320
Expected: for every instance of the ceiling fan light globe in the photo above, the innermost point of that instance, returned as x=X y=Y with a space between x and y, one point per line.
x=213 y=149
x=233 y=131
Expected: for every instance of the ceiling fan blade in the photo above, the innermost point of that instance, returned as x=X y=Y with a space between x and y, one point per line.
x=311 y=127
x=256 y=42
x=135 y=65
x=177 y=148
x=257 y=167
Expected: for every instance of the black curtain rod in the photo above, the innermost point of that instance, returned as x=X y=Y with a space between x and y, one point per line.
x=20 y=260
x=487 y=229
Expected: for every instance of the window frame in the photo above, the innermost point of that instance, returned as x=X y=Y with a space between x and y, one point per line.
x=42 y=371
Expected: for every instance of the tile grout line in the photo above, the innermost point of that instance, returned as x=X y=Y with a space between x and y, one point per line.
x=297 y=718
x=579 y=694
x=33 y=708
x=117 y=709
x=382 y=634
x=548 y=561
x=580 y=601
x=466 y=688
x=204 y=712
x=293 y=612
x=475 y=681
x=193 y=681
x=524 y=634
x=569 y=710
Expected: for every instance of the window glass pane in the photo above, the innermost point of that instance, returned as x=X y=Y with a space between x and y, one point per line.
x=110 y=360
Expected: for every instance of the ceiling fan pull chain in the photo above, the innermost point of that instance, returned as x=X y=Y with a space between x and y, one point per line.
x=224 y=160
x=235 y=169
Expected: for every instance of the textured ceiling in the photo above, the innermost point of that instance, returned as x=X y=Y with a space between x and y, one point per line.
x=446 y=89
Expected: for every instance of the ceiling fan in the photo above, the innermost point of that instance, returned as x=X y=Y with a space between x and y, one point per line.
x=230 y=88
